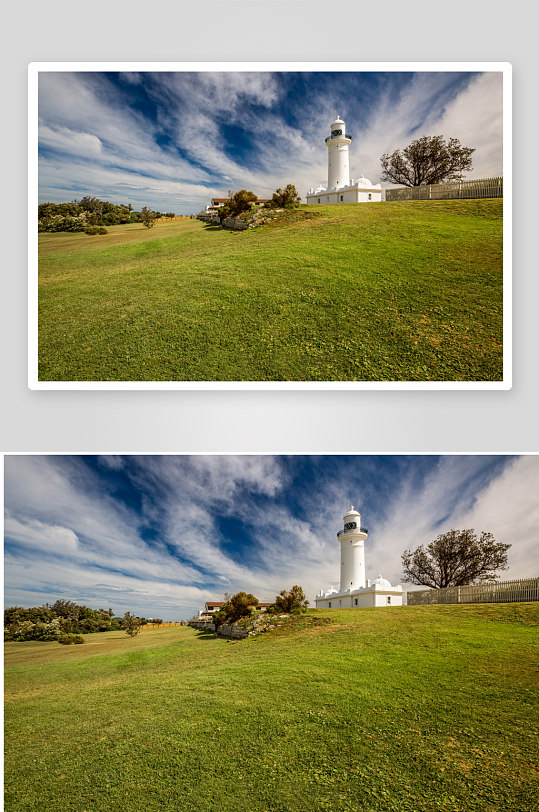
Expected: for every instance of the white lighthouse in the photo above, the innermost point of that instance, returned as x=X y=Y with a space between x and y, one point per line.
x=340 y=188
x=355 y=589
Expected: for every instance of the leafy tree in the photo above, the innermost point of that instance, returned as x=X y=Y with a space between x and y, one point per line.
x=235 y=607
x=239 y=202
x=456 y=558
x=131 y=624
x=293 y=601
x=147 y=217
x=287 y=198
x=48 y=210
x=68 y=610
x=427 y=160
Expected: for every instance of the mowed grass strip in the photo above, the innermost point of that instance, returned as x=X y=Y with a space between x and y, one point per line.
x=407 y=291
x=421 y=709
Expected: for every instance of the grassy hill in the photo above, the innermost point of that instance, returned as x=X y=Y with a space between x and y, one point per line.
x=414 y=709
x=391 y=292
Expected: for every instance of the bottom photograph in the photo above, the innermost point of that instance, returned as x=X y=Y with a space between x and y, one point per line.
x=271 y=632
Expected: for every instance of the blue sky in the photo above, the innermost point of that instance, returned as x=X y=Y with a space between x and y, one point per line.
x=160 y=535
x=173 y=140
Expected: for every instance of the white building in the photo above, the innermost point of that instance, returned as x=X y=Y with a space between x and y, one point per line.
x=340 y=188
x=355 y=590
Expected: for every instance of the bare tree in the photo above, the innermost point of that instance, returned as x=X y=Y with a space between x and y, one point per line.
x=456 y=558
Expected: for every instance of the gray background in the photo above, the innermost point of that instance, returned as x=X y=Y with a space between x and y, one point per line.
x=268 y=30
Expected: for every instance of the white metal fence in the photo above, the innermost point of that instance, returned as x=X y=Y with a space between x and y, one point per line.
x=524 y=589
x=459 y=189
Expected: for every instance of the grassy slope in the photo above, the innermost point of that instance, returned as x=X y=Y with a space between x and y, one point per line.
x=419 y=708
x=403 y=291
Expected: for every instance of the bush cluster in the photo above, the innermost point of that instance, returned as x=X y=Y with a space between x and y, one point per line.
x=26 y=630
x=236 y=607
x=95 y=230
x=241 y=608
x=48 y=622
x=70 y=639
x=78 y=215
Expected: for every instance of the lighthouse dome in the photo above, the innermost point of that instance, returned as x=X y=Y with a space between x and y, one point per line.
x=352 y=514
x=364 y=181
x=382 y=581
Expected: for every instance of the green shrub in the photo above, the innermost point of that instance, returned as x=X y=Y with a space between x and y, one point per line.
x=95 y=230
x=236 y=607
x=240 y=202
x=69 y=639
x=287 y=198
x=293 y=602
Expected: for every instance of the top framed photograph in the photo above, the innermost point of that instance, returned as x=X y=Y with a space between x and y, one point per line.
x=269 y=226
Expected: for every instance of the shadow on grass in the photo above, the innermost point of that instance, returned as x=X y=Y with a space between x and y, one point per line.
x=205 y=636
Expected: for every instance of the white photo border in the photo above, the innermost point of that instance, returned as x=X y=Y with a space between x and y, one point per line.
x=35 y=68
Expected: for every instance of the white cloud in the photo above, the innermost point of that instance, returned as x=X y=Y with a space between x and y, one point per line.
x=509 y=509
x=70 y=141
x=36 y=535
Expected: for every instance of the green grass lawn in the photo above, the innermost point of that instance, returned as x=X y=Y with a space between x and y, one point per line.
x=407 y=291
x=413 y=709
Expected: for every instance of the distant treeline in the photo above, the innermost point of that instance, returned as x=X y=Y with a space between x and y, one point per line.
x=90 y=211
x=63 y=617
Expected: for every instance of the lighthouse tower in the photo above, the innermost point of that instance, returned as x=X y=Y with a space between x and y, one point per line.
x=352 y=539
x=338 y=155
